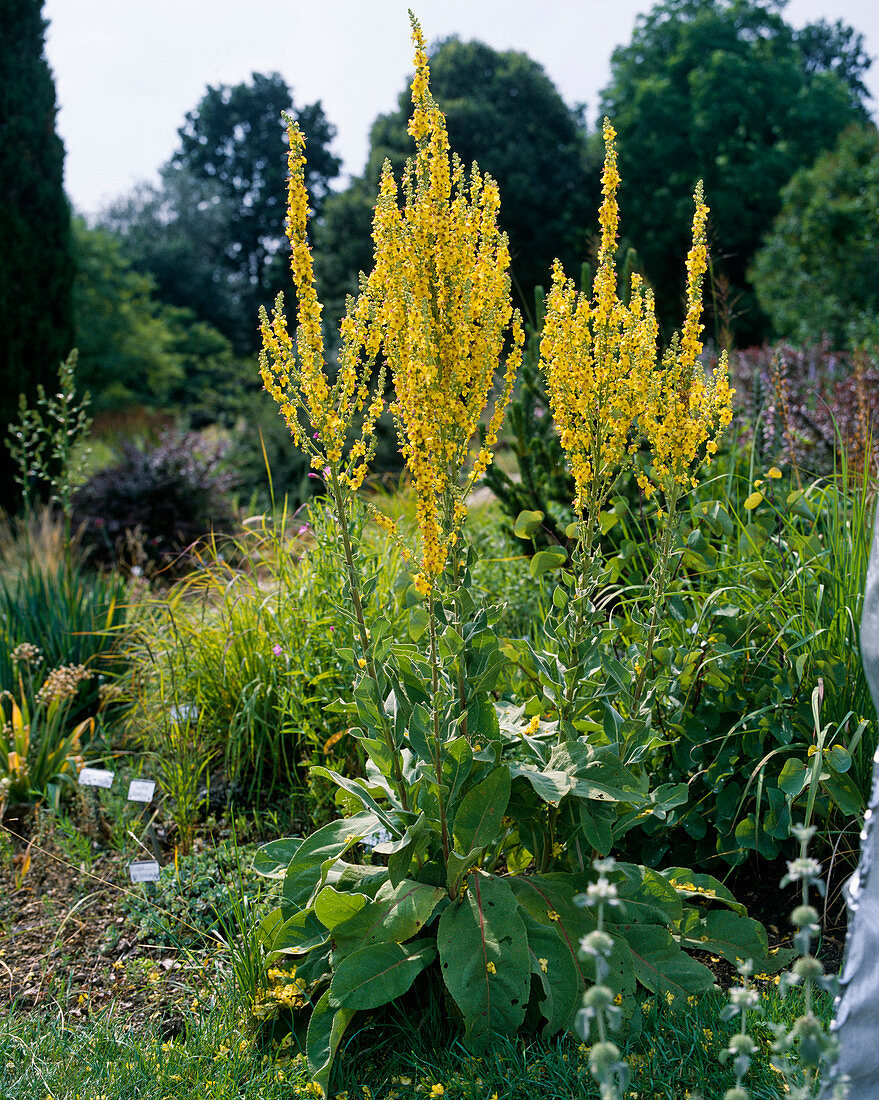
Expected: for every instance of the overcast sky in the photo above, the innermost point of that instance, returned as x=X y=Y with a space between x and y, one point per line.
x=127 y=71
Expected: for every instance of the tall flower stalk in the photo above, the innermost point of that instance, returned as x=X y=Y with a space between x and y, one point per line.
x=610 y=391
x=320 y=412
x=444 y=310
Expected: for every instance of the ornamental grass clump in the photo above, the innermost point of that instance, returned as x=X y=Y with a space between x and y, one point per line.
x=481 y=821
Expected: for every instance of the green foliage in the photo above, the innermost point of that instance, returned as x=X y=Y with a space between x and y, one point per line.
x=44 y=442
x=211 y=232
x=248 y=644
x=739 y=104
x=195 y=897
x=72 y=616
x=818 y=272
x=764 y=605
x=135 y=349
x=36 y=276
x=39 y=744
x=502 y=111
x=482 y=821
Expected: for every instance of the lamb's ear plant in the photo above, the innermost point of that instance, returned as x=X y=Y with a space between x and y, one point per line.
x=483 y=823
x=804 y=1051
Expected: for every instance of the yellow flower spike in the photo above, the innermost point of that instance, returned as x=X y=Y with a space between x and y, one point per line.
x=442 y=299
x=685 y=409
x=295 y=374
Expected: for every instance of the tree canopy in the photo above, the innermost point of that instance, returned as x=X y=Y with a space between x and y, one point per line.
x=137 y=350
x=727 y=92
x=36 y=275
x=818 y=273
x=503 y=112
x=212 y=232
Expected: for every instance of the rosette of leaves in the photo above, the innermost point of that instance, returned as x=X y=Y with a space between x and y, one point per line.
x=475 y=886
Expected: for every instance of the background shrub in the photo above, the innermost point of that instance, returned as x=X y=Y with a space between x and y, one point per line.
x=159 y=498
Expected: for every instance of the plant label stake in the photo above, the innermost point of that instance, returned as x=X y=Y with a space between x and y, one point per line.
x=96 y=777
x=145 y=870
x=857 y=1009
x=141 y=790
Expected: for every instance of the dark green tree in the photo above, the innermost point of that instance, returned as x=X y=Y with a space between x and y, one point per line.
x=503 y=112
x=818 y=273
x=211 y=233
x=36 y=273
x=721 y=90
x=837 y=48
x=137 y=350
x=173 y=231
x=235 y=143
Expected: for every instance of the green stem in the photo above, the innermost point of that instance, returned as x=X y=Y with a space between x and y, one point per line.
x=582 y=592
x=354 y=584
x=658 y=594
x=437 y=742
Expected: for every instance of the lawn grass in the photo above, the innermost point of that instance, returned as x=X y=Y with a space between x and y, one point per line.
x=218 y=1055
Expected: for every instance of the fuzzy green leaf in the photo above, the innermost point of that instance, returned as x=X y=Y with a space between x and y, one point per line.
x=332 y=906
x=325 y=1030
x=544 y=560
x=660 y=964
x=379 y=973
x=483 y=949
x=397 y=914
x=478 y=819
x=527 y=523
x=555 y=969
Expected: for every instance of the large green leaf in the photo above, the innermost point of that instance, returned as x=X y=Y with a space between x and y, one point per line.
x=550 y=786
x=660 y=964
x=332 y=906
x=735 y=937
x=647 y=896
x=273 y=859
x=364 y=794
x=325 y=1030
x=557 y=972
x=549 y=899
x=689 y=884
x=298 y=934
x=456 y=767
x=478 y=820
x=598 y=773
x=379 y=973
x=328 y=844
x=398 y=913
x=483 y=949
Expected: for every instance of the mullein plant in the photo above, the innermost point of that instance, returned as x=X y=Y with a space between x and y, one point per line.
x=482 y=823
x=610 y=392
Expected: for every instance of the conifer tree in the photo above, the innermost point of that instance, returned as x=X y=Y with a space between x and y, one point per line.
x=36 y=272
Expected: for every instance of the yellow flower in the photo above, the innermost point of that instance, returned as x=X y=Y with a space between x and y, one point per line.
x=441 y=296
x=295 y=373
x=490 y=968
x=683 y=409
x=544 y=963
x=596 y=354
x=437 y=1090
x=773 y=472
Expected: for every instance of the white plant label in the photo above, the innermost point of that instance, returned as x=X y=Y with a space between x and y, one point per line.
x=141 y=790
x=146 y=870
x=96 y=777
